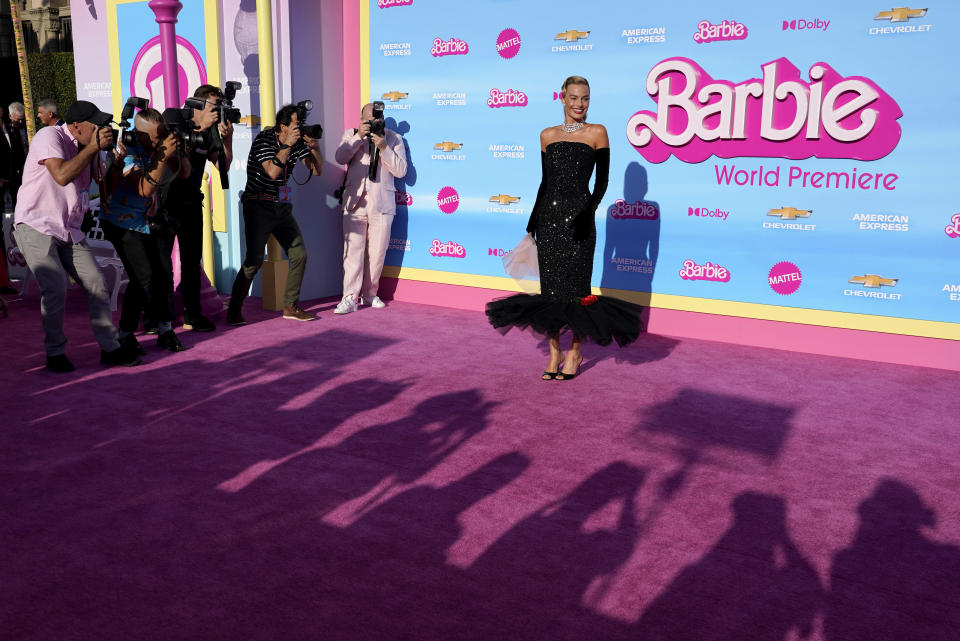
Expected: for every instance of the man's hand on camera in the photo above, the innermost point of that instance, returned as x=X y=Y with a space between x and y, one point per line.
x=379 y=141
x=226 y=130
x=311 y=143
x=291 y=137
x=206 y=117
x=364 y=129
x=120 y=152
x=168 y=147
x=103 y=138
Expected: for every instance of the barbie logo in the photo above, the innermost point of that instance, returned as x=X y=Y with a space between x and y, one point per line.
x=726 y=30
x=508 y=43
x=779 y=115
x=403 y=198
x=448 y=199
x=383 y=4
x=449 y=249
x=708 y=271
x=641 y=210
x=953 y=229
x=452 y=47
x=510 y=98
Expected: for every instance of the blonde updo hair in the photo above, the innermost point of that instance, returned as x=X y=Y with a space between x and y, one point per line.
x=573 y=80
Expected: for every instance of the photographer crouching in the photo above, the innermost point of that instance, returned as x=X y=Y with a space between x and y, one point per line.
x=273 y=157
x=374 y=156
x=48 y=227
x=183 y=199
x=141 y=234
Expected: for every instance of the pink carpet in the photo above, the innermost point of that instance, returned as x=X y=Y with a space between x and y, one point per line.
x=403 y=474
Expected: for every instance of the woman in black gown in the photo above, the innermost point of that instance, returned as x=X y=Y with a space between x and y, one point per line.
x=562 y=222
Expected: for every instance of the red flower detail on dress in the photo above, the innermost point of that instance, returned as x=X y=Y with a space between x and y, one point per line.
x=588 y=300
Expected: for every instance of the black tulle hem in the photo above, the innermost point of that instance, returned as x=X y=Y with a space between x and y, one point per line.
x=603 y=321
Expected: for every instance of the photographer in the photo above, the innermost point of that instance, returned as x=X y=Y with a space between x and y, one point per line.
x=374 y=156
x=272 y=159
x=184 y=202
x=140 y=233
x=50 y=211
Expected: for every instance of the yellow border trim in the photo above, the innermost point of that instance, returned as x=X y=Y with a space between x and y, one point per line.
x=841 y=320
x=211 y=16
x=364 y=52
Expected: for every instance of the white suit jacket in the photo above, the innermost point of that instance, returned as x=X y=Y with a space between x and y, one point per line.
x=354 y=152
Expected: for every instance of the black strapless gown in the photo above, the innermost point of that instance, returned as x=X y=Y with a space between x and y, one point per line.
x=565 y=302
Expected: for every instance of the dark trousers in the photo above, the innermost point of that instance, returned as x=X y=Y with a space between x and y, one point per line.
x=261 y=219
x=146 y=258
x=190 y=239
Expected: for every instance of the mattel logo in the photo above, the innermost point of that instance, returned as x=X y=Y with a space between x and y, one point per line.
x=705 y=212
x=492 y=251
x=726 y=30
x=508 y=98
x=384 y=4
x=784 y=278
x=451 y=47
x=799 y=24
x=448 y=200
x=708 y=271
x=448 y=249
x=639 y=210
x=403 y=198
x=508 y=43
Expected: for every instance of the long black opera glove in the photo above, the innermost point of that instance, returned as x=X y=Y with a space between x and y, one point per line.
x=532 y=223
x=582 y=223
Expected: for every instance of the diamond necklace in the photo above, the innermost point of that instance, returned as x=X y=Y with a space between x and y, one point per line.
x=570 y=128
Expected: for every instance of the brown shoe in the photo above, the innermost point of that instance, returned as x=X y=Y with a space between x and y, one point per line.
x=295 y=312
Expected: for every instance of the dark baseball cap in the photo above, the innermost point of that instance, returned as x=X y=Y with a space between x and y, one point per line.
x=83 y=111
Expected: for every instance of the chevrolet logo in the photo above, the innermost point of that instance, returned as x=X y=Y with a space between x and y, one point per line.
x=572 y=35
x=394 y=96
x=446 y=145
x=790 y=213
x=900 y=14
x=250 y=121
x=874 y=281
x=504 y=199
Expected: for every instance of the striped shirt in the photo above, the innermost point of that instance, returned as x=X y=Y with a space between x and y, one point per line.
x=265 y=146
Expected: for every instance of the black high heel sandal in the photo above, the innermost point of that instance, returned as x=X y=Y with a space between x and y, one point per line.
x=549 y=376
x=569 y=377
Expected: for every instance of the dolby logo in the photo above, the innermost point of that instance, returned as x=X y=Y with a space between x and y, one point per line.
x=802 y=24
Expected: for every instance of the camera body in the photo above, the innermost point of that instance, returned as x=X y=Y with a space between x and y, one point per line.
x=304 y=107
x=179 y=122
x=127 y=134
x=377 y=124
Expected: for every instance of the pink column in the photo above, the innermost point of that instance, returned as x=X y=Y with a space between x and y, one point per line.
x=166 y=12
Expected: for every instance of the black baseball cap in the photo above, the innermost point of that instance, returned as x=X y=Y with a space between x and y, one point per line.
x=83 y=111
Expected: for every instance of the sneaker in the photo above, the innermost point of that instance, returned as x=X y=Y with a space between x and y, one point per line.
x=346 y=306
x=295 y=312
x=119 y=356
x=59 y=363
x=374 y=302
x=130 y=343
x=199 y=324
x=235 y=319
x=170 y=342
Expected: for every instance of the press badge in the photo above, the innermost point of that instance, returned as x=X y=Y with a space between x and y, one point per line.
x=284 y=194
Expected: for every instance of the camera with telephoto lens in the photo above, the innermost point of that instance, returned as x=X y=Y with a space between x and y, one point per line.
x=226 y=112
x=180 y=123
x=304 y=107
x=128 y=135
x=377 y=124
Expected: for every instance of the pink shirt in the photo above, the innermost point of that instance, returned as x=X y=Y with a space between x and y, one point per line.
x=42 y=203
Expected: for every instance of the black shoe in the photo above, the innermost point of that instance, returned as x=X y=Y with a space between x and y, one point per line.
x=120 y=356
x=8 y=290
x=59 y=363
x=133 y=347
x=152 y=330
x=199 y=324
x=235 y=318
x=170 y=342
